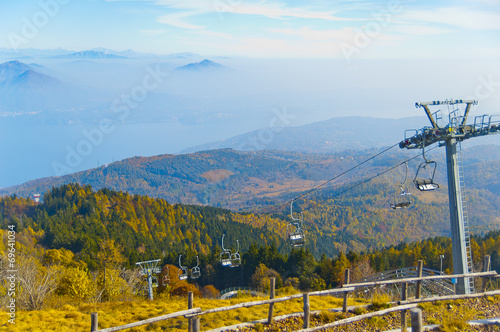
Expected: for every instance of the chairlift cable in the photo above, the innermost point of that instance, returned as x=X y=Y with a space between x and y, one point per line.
x=371 y=178
x=335 y=177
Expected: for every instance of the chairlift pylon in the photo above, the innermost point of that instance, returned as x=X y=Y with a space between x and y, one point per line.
x=401 y=193
x=426 y=184
x=195 y=271
x=294 y=229
x=183 y=271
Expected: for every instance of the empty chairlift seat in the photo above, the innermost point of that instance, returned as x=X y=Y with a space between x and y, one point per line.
x=225 y=258
x=195 y=271
x=183 y=271
x=426 y=184
x=294 y=229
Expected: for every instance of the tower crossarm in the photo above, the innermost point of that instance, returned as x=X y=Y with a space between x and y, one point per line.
x=456 y=128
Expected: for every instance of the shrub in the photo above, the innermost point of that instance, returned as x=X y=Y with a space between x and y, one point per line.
x=184 y=289
x=380 y=301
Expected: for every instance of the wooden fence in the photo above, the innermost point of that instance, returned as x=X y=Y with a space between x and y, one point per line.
x=193 y=314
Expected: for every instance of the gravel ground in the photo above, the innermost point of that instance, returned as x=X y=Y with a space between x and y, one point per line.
x=451 y=315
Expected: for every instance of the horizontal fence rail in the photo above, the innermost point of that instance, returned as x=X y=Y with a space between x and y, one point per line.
x=143 y=322
x=275 y=300
x=408 y=280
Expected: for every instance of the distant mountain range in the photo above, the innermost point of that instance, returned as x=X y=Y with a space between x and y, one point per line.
x=89 y=55
x=94 y=53
x=334 y=135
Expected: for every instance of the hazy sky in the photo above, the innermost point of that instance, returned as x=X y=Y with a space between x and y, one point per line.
x=261 y=28
x=366 y=58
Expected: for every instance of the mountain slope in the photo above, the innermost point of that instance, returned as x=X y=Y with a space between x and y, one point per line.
x=31 y=80
x=212 y=177
x=205 y=65
x=77 y=218
x=334 y=135
x=12 y=69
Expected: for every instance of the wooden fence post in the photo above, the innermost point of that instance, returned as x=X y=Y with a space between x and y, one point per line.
x=420 y=267
x=416 y=320
x=307 y=311
x=271 y=296
x=487 y=267
x=196 y=324
x=404 y=296
x=93 y=322
x=190 y=306
x=347 y=277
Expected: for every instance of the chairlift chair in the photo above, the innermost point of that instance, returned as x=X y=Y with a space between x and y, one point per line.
x=225 y=255
x=225 y=258
x=154 y=281
x=235 y=257
x=195 y=271
x=183 y=271
x=165 y=280
x=294 y=230
x=401 y=194
x=295 y=235
x=401 y=200
x=426 y=184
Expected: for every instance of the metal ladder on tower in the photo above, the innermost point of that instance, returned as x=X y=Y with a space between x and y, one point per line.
x=468 y=247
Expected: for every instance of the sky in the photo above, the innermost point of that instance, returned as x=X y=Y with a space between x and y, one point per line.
x=467 y=29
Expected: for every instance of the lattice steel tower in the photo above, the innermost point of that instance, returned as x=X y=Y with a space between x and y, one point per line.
x=450 y=135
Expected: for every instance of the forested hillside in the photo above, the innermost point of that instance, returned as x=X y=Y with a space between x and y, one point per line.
x=79 y=219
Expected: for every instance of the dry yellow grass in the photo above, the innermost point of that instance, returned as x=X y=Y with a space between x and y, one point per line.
x=77 y=317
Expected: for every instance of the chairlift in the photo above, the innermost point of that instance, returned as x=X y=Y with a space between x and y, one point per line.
x=165 y=280
x=294 y=229
x=401 y=200
x=183 y=271
x=401 y=194
x=426 y=184
x=154 y=281
x=195 y=271
x=235 y=257
x=295 y=234
x=225 y=255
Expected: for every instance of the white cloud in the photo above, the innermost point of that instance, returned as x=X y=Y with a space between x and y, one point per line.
x=266 y=8
x=179 y=20
x=421 y=30
x=279 y=11
x=455 y=17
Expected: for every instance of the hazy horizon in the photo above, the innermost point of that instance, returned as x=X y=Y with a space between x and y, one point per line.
x=313 y=61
